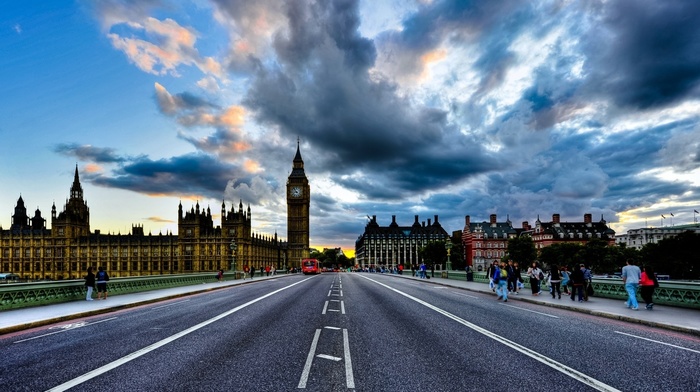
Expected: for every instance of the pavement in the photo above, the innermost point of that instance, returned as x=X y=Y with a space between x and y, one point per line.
x=673 y=318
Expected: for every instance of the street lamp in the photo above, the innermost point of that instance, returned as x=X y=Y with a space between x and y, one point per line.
x=448 y=246
x=233 y=256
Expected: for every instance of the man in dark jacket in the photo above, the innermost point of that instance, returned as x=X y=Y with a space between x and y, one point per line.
x=578 y=281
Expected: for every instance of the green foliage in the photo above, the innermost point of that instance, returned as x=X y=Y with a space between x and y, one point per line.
x=522 y=250
x=678 y=257
x=433 y=253
x=563 y=254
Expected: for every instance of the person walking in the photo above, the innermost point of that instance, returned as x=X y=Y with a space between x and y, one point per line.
x=517 y=277
x=631 y=274
x=423 y=270
x=587 y=282
x=489 y=273
x=555 y=281
x=647 y=284
x=564 y=280
x=576 y=278
x=535 y=274
x=500 y=278
x=102 y=279
x=89 y=283
x=220 y=276
x=252 y=272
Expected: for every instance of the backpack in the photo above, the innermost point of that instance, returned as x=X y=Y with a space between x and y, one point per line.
x=504 y=273
x=541 y=276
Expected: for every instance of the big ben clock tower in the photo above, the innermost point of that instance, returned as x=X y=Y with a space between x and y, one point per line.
x=298 y=200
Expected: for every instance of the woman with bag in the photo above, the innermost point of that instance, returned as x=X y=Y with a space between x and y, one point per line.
x=565 y=280
x=648 y=283
x=535 y=274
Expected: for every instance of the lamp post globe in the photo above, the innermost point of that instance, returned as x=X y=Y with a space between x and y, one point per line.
x=448 y=247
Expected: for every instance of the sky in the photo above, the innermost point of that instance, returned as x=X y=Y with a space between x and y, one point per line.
x=522 y=109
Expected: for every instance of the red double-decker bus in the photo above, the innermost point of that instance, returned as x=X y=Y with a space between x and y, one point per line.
x=310 y=266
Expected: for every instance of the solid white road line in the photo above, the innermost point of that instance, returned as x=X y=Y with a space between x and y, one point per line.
x=309 y=360
x=656 y=341
x=558 y=366
x=79 y=325
x=349 y=378
x=528 y=310
x=115 y=364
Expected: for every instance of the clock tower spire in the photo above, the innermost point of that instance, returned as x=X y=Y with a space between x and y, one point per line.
x=298 y=201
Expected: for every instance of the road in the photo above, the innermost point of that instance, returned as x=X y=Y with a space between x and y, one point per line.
x=342 y=331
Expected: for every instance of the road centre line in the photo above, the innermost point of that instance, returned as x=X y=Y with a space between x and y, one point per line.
x=558 y=366
x=174 y=303
x=325 y=307
x=65 y=330
x=329 y=293
x=332 y=358
x=309 y=360
x=342 y=307
x=136 y=354
x=656 y=341
x=349 y=378
x=333 y=328
x=528 y=310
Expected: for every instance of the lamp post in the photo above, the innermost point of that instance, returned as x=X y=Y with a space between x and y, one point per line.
x=233 y=255
x=448 y=246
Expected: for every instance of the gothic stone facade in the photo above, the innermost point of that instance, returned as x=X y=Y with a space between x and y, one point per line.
x=65 y=251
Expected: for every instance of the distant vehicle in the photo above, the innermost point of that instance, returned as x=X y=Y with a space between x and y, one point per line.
x=9 y=278
x=310 y=266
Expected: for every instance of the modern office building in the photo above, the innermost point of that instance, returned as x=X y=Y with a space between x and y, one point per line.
x=392 y=245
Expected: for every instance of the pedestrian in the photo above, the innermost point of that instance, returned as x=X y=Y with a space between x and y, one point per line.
x=489 y=273
x=631 y=274
x=576 y=278
x=267 y=270
x=102 y=279
x=89 y=283
x=536 y=275
x=555 y=281
x=500 y=278
x=587 y=282
x=252 y=272
x=517 y=278
x=648 y=283
x=220 y=276
x=432 y=270
x=564 y=280
x=422 y=269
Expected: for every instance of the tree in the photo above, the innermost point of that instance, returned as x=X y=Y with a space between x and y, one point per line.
x=678 y=257
x=457 y=256
x=522 y=250
x=433 y=253
x=562 y=254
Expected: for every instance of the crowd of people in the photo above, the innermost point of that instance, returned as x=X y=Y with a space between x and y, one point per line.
x=505 y=278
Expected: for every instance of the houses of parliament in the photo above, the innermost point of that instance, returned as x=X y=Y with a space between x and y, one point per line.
x=66 y=250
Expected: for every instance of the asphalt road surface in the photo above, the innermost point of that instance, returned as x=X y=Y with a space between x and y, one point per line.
x=341 y=332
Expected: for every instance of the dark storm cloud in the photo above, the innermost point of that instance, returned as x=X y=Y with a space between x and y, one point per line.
x=356 y=124
x=193 y=174
x=89 y=153
x=646 y=54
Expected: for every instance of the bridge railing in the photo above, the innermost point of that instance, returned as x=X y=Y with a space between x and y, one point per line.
x=19 y=295
x=671 y=293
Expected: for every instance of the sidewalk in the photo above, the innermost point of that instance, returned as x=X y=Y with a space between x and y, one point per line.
x=25 y=318
x=668 y=317
x=673 y=318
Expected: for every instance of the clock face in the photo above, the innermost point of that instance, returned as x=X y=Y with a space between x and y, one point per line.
x=296 y=191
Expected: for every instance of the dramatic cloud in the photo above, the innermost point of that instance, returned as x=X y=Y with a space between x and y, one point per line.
x=443 y=107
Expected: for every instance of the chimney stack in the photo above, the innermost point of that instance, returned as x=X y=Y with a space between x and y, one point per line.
x=587 y=218
x=493 y=219
x=555 y=218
